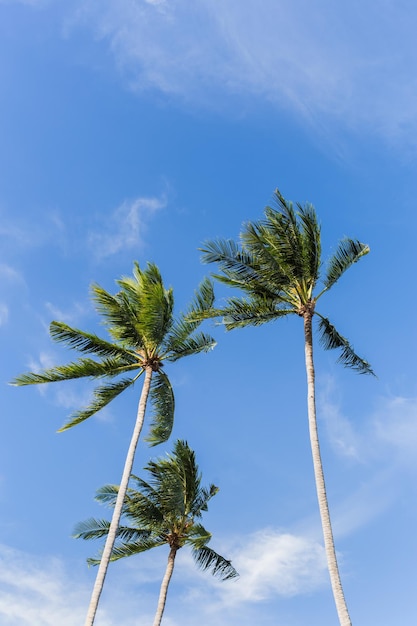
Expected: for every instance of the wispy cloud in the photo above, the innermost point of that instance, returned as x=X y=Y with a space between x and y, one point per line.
x=271 y=562
x=124 y=229
x=319 y=61
x=42 y=591
x=340 y=432
x=69 y=316
x=36 y=591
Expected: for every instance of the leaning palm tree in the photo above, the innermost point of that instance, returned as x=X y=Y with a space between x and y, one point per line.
x=161 y=512
x=144 y=335
x=277 y=267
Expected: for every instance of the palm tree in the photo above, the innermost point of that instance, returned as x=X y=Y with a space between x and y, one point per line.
x=144 y=335
x=163 y=511
x=277 y=267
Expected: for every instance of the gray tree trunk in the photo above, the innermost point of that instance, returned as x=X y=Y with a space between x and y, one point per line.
x=338 y=595
x=164 y=587
x=114 y=525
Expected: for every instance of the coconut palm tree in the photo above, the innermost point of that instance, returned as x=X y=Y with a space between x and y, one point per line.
x=144 y=335
x=277 y=267
x=161 y=512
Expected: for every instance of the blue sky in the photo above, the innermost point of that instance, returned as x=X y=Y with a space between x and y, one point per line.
x=135 y=130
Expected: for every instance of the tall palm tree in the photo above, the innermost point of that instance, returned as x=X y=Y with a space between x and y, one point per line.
x=161 y=512
x=277 y=267
x=144 y=335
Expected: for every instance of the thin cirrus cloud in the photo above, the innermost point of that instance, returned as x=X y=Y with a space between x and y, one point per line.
x=124 y=229
x=334 y=68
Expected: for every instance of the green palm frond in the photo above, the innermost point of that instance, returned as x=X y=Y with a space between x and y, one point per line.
x=163 y=404
x=102 y=396
x=237 y=265
x=117 y=316
x=311 y=243
x=208 y=559
x=186 y=324
x=199 y=342
x=331 y=339
x=201 y=498
x=348 y=252
x=241 y=312
x=91 y=529
x=83 y=368
x=89 y=343
x=198 y=536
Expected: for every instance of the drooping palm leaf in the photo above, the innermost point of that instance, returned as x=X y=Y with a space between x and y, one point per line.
x=208 y=559
x=163 y=404
x=331 y=339
x=102 y=396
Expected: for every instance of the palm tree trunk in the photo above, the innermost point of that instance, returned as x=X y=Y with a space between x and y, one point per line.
x=114 y=525
x=338 y=595
x=164 y=586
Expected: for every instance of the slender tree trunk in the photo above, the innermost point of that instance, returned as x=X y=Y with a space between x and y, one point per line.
x=114 y=525
x=338 y=595
x=164 y=586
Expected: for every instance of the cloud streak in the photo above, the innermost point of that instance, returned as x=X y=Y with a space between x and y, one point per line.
x=321 y=62
x=126 y=226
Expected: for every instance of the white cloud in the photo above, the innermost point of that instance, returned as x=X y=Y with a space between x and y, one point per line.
x=339 y=430
x=10 y=275
x=270 y=563
x=395 y=426
x=324 y=62
x=125 y=228
x=4 y=314
x=70 y=316
x=44 y=591
x=37 y=591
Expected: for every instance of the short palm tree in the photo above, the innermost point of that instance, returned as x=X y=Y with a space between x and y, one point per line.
x=277 y=267
x=144 y=335
x=161 y=512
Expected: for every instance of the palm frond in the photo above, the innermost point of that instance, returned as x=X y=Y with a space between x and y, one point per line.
x=163 y=404
x=237 y=265
x=117 y=316
x=208 y=559
x=187 y=323
x=102 y=396
x=311 y=243
x=241 y=312
x=122 y=550
x=331 y=339
x=198 y=536
x=199 y=342
x=83 y=368
x=87 y=342
x=201 y=498
x=91 y=529
x=348 y=252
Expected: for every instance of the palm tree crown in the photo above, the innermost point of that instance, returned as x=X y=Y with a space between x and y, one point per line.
x=164 y=510
x=144 y=333
x=277 y=266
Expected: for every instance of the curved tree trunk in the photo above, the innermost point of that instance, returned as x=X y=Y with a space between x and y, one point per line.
x=338 y=595
x=164 y=586
x=114 y=525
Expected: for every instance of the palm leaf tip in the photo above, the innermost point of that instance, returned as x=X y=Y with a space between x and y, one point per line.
x=208 y=559
x=348 y=252
x=331 y=339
